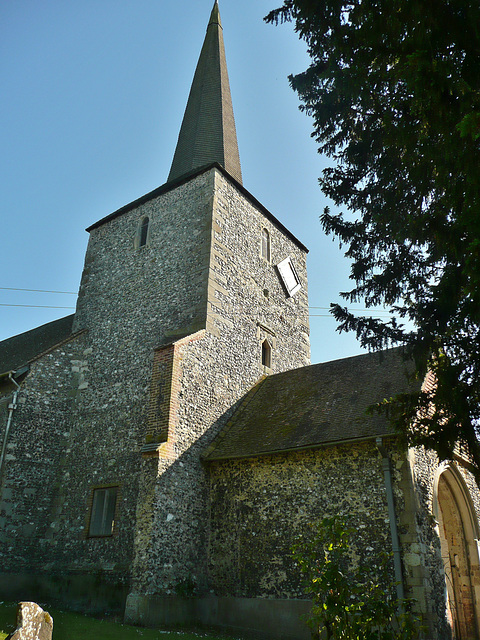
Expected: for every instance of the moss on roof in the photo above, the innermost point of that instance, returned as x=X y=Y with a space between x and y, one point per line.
x=313 y=406
x=21 y=349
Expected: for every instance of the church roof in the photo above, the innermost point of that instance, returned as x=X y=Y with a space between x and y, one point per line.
x=313 y=406
x=208 y=130
x=19 y=350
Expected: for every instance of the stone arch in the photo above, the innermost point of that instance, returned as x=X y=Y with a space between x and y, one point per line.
x=459 y=534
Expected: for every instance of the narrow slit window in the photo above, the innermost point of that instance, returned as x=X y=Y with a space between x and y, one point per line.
x=265 y=245
x=102 y=516
x=266 y=354
x=144 y=232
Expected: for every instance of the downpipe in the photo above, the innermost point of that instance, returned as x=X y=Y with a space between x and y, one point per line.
x=397 y=559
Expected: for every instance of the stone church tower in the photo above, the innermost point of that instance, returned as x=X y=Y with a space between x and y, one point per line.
x=189 y=296
x=168 y=440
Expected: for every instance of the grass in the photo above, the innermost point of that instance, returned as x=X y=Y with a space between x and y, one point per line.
x=75 y=626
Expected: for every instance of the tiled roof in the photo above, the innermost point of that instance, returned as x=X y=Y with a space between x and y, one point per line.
x=313 y=406
x=21 y=349
x=208 y=131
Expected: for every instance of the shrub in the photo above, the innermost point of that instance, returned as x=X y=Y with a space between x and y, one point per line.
x=353 y=598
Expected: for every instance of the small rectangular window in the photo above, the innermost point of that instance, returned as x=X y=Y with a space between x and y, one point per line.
x=266 y=354
x=144 y=232
x=102 y=516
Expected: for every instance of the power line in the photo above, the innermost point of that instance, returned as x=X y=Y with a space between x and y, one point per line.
x=36 y=306
x=363 y=310
x=327 y=315
x=42 y=306
x=36 y=290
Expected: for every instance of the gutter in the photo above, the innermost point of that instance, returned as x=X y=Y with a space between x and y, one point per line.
x=397 y=559
x=11 y=408
x=306 y=447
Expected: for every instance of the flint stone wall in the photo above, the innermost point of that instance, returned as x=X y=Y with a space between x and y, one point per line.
x=83 y=408
x=247 y=303
x=260 y=507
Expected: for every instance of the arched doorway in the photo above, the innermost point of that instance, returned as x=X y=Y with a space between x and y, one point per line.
x=459 y=535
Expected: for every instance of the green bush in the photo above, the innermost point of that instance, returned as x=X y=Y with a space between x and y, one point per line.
x=353 y=599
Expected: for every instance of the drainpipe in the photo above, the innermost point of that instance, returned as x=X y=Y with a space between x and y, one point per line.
x=397 y=560
x=11 y=408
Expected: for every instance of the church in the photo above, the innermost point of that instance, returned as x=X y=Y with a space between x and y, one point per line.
x=162 y=448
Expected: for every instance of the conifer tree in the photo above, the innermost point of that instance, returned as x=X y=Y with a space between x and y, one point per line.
x=393 y=88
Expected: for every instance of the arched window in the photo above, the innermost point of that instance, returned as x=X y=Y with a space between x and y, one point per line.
x=266 y=354
x=265 y=245
x=143 y=232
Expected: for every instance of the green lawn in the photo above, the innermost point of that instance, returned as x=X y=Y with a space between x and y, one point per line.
x=75 y=626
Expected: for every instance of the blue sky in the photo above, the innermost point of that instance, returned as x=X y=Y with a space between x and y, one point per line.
x=93 y=97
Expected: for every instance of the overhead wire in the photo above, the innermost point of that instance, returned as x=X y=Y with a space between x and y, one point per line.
x=36 y=290
x=38 y=306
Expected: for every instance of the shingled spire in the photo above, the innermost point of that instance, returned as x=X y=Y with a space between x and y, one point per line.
x=208 y=131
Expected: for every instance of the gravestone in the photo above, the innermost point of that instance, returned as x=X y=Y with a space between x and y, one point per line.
x=33 y=623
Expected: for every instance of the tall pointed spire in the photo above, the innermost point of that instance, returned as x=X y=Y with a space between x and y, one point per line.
x=208 y=131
